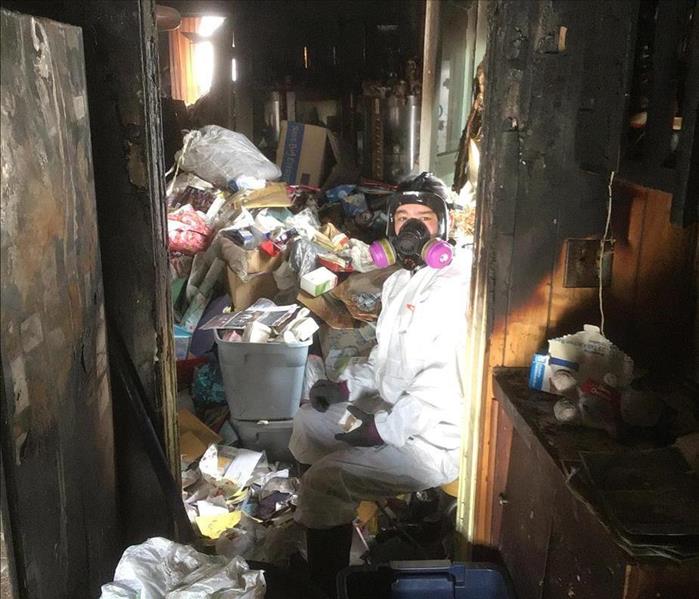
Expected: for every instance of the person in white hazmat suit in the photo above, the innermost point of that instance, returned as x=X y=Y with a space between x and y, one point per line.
x=406 y=396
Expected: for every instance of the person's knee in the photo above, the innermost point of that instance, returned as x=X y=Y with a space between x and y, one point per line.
x=325 y=477
x=302 y=417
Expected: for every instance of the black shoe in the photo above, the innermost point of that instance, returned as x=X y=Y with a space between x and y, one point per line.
x=328 y=553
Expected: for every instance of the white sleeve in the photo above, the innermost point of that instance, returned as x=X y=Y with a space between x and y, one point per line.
x=359 y=375
x=425 y=403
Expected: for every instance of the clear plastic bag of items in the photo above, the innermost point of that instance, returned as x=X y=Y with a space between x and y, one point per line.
x=218 y=155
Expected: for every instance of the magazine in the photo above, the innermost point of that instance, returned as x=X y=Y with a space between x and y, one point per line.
x=264 y=311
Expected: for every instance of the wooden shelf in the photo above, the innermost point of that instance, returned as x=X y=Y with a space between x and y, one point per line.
x=555 y=537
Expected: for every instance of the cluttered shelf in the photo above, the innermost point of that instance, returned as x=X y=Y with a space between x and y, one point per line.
x=532 y=414
x=643 y=494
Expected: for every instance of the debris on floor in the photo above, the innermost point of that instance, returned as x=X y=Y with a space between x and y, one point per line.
x=160 y=568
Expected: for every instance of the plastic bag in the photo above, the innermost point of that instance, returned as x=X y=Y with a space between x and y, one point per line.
x=361 y=257
x=288 y=284
x=178 y=185
x=159 y=568
x=187 y=231
x=315 y=371
x=247 y=182
x=266 y=222
x=305 y=222
x=303 y=256
x=219 y=156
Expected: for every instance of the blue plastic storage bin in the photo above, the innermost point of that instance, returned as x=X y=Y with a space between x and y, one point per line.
x=182 y=339
x=425 y=579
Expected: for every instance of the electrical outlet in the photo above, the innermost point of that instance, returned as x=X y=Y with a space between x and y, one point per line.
x=582 y=263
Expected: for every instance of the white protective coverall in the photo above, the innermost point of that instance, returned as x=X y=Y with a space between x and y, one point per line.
x=411 y=383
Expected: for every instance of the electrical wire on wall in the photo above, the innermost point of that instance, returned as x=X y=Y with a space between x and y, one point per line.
x=603 y=242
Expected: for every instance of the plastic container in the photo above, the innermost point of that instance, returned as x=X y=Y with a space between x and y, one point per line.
x=420 y=579
x=182 y=339
x=185 y=371
x=263 y=381
x=270 y=436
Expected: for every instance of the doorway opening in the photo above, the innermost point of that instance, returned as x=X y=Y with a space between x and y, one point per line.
x=360 y=78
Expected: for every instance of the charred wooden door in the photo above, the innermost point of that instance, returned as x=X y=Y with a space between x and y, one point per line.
x=55 y=403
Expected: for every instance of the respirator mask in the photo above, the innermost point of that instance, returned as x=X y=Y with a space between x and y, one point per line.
x=414 y=246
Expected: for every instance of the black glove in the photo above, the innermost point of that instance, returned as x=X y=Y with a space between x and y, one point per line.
x=366 y=435
x=325 y=393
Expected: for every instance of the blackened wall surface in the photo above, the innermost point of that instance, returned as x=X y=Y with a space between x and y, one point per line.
x=120 y=46
x=57 y=428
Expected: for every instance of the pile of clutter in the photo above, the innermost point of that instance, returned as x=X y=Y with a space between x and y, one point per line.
x=230 y=221
x=599 y=388
x=260 y=269
x=237 y=234
x=240 y=505
x=230 y=224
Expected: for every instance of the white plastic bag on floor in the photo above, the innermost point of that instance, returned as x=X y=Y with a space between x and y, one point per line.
x=218 y=156
x=161 y=569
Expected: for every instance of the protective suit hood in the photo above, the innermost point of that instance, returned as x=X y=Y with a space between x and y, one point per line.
x=413 y=246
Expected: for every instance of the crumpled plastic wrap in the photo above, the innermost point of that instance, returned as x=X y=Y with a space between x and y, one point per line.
x=305 y=222
x=162 y=569
x=256 y=541
x=303 y=256
x=218 y=155
x=360 y=256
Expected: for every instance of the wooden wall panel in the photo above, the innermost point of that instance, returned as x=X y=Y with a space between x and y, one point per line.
x=120 y=49
x=661 y=329
x=55 y=402
x=502 y=437
x=527 y=517
x=627 y=227
x=548 y=198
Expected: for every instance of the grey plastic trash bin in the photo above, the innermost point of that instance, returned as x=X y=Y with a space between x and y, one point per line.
x=263 y=381
x=270 y=436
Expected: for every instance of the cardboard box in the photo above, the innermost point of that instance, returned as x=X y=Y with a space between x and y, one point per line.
x=195 y=436
x=332 y=312
x=302 y=153
x=581 y=358
x=318 y=281
x=245 y=293
x=248 y=262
